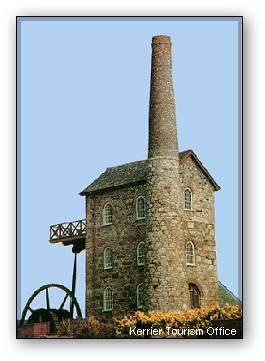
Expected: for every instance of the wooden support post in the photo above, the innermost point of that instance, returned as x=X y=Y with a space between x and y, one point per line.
x=73 y=287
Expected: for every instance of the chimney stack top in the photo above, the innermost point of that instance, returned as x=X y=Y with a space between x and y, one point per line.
x=161 y=39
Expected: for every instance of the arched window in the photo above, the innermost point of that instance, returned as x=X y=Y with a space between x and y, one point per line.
x=107 y=258
x=188 y=198
x=195 y=296
x=107 y=214
x=190 y=254
x=140 y=208
x=141 y=254
x=140 y=295
x=108 y=299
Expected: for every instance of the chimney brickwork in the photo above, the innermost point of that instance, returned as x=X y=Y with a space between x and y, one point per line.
x=162 y=118
x=166 y=286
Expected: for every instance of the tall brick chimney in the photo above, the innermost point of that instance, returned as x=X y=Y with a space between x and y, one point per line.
x=162 y=118
x=166 y=288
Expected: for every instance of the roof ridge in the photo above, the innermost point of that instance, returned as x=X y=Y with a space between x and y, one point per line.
x=141 y=161
x=121 y=165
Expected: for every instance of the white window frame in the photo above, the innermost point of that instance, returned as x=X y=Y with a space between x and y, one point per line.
x=107 y=258
x=191 y=199
x=137 y=211
x=139 y=263
x=140 y=306
x=107 y=303
x=192 y=255
x=105 y=220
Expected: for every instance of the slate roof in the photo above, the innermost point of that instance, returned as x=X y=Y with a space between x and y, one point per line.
x=135 y=173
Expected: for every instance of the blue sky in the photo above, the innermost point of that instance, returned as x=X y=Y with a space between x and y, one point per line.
x=84 y=107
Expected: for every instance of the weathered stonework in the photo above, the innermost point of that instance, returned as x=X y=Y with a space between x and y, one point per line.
x=123 y=237
x=168 y=226
x=165 y=283
x=126 y=232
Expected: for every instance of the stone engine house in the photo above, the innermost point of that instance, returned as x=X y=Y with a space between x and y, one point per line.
x=150 y=225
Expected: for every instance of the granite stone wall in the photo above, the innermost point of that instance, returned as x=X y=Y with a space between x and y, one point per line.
x=126 y=232
x=123 y=237
x=198 y=226
x=165 y=280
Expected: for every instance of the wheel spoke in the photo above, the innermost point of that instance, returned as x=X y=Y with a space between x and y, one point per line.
x=64 y=300
x=47 y=299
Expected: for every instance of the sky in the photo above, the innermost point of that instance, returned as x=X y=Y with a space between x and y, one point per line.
x=83 y=93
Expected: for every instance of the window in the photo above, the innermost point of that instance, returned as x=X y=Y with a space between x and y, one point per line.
x=188 y=199
x=190 y=254
x=108 y=299
x=195 y=296
x=107 y=258
x=140 y=295
x=140 y=208
x=141 y=254
x=107 y=214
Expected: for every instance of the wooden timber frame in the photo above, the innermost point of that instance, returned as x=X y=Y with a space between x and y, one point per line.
x=69 y=233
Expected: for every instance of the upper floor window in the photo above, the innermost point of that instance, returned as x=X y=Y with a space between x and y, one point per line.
x=107 y=258
x=140 y=208
x=108 y=299
x=195 y=296
x=190 y=254
x=107 y=214
x=141 y=254
x=188 y=198
x=140 y=295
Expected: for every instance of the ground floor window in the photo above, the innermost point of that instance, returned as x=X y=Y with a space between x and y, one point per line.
x=108 y=299
x=195 y=296
x=140 y=295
